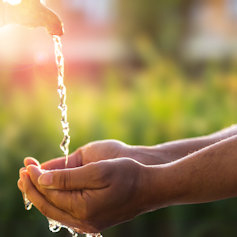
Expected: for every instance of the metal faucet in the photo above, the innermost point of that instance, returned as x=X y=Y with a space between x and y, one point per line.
x=31 y=13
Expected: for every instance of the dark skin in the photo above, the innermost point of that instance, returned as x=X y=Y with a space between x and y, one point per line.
x=91 y=196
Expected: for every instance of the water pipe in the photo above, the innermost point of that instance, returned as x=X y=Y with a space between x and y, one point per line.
x=31 y=13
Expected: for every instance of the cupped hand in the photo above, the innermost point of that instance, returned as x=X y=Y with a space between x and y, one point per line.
x=92 y=197
x=91 y=152
x=102 y=150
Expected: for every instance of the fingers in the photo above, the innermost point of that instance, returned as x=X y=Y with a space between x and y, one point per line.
x=85 y=177
x=19 y=182
x=21 y=170
x=74 y=160
x=61 y=199
x=31 y=161
x=58 y=163
x=34 y=173
x=20 y=185
x=44 y=206
x=50 y=210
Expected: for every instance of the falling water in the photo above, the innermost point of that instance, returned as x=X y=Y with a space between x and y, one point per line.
x=56 y=226
x=62 y=95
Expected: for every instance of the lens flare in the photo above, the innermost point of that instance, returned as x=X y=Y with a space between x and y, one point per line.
x=13 y=2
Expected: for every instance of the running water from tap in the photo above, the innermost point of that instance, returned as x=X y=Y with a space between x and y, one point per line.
x=62 y=95
x=56 y=226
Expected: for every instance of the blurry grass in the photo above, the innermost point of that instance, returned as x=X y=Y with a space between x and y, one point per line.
x=156 y=105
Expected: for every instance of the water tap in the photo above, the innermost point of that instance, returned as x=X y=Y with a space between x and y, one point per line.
x=31 y=13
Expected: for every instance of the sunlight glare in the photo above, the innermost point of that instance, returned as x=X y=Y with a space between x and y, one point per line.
x=13 y=2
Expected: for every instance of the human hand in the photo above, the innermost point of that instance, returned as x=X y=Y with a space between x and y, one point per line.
x=91 y=152
x=31 y=13
x=90 y=198
x=96 y=151
x=102 y=150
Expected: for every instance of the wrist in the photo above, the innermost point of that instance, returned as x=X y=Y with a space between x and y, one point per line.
x=145 y=155
x=162 y=187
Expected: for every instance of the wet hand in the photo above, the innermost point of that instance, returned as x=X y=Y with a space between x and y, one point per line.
x=101 y=150
x=92 y=152
x=92 y=197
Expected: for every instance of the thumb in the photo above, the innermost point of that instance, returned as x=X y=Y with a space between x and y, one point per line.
x=79 y=178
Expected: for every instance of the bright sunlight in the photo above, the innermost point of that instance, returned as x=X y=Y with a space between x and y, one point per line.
x=13 y=2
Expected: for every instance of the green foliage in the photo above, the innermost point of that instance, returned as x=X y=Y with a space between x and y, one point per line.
x=164 y=21
x=157 y=104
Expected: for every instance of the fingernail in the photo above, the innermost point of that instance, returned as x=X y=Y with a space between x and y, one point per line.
x=46 y=179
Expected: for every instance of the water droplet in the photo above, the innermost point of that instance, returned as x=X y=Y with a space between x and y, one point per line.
x=94 y=235
x=54 y=226
x=27 y=202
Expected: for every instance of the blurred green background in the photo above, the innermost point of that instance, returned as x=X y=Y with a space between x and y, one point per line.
x=152 y=95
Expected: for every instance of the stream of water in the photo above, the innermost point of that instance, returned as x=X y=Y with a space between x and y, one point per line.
x=56 y=226
x=62 y=95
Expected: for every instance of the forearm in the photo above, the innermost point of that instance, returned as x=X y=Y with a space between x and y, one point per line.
x=175 y=150
x=204 y=176
x=181 y=148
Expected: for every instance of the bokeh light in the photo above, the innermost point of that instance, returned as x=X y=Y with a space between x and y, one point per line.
x=141 y=71
x=13 y=2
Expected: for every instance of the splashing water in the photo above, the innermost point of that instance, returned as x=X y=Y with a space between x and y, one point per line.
x=55 y=226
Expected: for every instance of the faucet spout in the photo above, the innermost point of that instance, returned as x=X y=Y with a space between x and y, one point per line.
x=31 y=13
